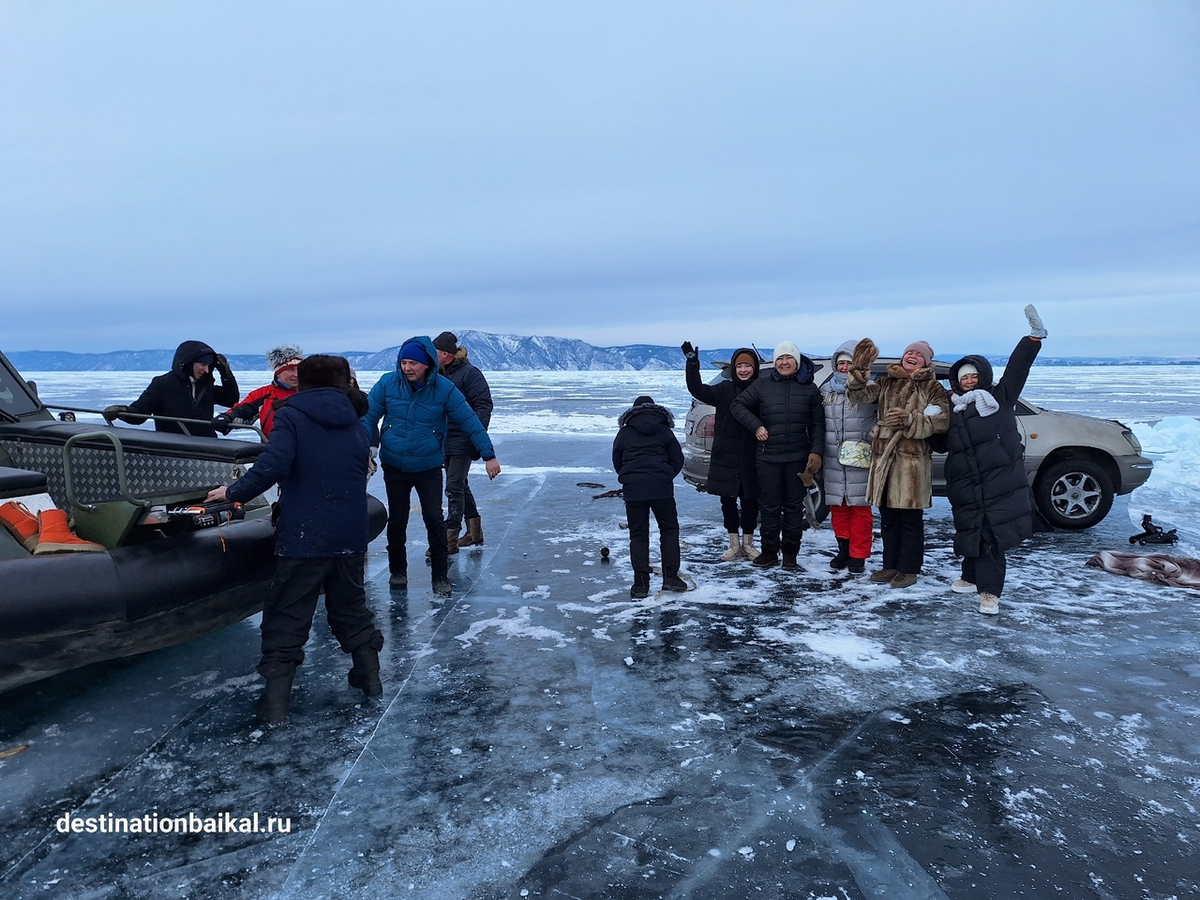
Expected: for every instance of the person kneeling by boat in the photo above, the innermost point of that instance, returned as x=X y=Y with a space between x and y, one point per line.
x=318 y=456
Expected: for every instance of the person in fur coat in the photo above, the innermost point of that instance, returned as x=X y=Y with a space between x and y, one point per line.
x=260 y=403
x=985 y=466
x=847 y=426
x=913 y=407
x=731 y=463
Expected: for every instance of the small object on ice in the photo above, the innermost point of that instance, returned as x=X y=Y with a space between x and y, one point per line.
x=791 y=845
x=604 y=551
x=1153 y=534
x=588 y=484
x=618 y=492
x=629 y=660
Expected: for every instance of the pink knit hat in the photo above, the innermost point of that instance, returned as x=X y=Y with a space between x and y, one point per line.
x=919 y=347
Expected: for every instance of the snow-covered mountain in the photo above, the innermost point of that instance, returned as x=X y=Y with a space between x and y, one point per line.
x=495 y=352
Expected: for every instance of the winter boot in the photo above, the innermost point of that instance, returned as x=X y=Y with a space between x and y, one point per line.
x=790 y=563
x=474 y=535
x=856 y=566
x=21 y=522
x=272 y=705
x=842 y=559
x=674 y=583
x=55 y=536
x=735 y=548
x=641 y=585
x=398 y=580
x=442 y=587
x=903 y=580
x=451 y=540
x=364 y=674
x=748 y=549
x=766 y=559
x=884 y=576
x=989 y=604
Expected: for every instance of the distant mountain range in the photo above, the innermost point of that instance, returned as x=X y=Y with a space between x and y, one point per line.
x=494 y=352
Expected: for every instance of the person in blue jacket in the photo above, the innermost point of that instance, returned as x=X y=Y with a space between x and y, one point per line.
x=318 y=456
x=416 y=405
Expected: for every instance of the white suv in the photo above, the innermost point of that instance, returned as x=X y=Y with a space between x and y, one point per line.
x=1076 y=464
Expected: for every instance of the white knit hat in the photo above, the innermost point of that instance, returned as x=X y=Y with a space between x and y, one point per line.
x=966 y=369
x=787 y=348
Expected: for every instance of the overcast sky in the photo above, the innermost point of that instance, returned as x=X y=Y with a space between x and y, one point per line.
x=347 y=174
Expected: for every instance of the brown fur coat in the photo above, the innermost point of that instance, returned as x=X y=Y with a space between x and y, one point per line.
x=901 y=475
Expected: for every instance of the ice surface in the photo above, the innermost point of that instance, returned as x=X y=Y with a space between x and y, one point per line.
x=543 y=735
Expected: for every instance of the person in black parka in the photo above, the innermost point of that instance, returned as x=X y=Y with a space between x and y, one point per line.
x=646 y=457
x=188 y=391
x=786 y=415
x=985 y=467
x=731 y=473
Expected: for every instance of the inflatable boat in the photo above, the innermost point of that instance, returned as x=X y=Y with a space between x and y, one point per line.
x=164 y=575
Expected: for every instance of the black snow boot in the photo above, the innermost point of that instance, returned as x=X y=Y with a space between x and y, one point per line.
x=790 y=563
x=674 y=584
x=842 y=559
x=641 y=585
x=364 y=674
x=272 y=705
x=856 y=566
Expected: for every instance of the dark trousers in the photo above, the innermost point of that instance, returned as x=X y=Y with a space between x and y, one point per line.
x=986 y=571
x=637 y=514
x=460 y=502
x=734 y=520
x=903 y=534
x=781 y=504
x=428 y=485
x=288 y=613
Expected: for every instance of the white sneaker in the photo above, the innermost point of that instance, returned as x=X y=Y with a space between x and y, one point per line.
x=989 y=604
x=962 y=586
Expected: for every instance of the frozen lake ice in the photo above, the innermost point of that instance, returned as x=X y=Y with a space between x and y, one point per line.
x=766 y=734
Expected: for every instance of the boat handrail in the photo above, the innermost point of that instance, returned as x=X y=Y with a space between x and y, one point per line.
x=154 y=417
x=119 y=455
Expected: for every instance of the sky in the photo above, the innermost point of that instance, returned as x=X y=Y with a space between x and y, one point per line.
x=344 y=175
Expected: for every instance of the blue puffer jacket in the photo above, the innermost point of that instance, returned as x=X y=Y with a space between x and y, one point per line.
x=412 y=436
x=318 y=456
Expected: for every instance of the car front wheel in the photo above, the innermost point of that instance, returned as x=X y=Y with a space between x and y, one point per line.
x=1075 y=493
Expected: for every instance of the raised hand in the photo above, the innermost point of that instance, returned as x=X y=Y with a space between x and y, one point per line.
x=688 y=350
x=1036 y=328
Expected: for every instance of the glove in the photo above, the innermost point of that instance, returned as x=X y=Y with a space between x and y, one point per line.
x=111 y=413
x=1036 y=328
x=688 y=350
x=865 y=354
x=372 y=463
x=221 y=364
x=896 y=417
x=223 y=423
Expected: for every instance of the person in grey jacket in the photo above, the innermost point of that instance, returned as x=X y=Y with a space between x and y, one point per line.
x=847 y=437
x=785 y=413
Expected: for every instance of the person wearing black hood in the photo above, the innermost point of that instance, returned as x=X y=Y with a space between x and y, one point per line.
x=188 y=391
x=318 y=456
x=985 y=466
x=646 y=457
x=785 y=414
x=731 y=473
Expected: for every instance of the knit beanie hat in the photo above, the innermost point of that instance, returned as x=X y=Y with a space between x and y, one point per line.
x=922 y=348
x=283 y=356
x=745 y=355
x=966 y=369
x=787 y=348
x=447 y=342
x=415 y=351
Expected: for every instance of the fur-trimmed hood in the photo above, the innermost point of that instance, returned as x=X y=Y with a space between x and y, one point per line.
x=646 y=417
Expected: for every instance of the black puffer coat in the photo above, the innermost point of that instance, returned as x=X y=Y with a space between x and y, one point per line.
x=789 y=408
x=985 y=468
x=474 y=386
x=731 y=463
x=175 y=394
x=646 y=454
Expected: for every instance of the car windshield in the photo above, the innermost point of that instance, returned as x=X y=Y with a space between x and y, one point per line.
x=15 y=398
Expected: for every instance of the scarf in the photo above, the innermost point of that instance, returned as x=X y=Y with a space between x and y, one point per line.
x=837 y=383
x=983 y=400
